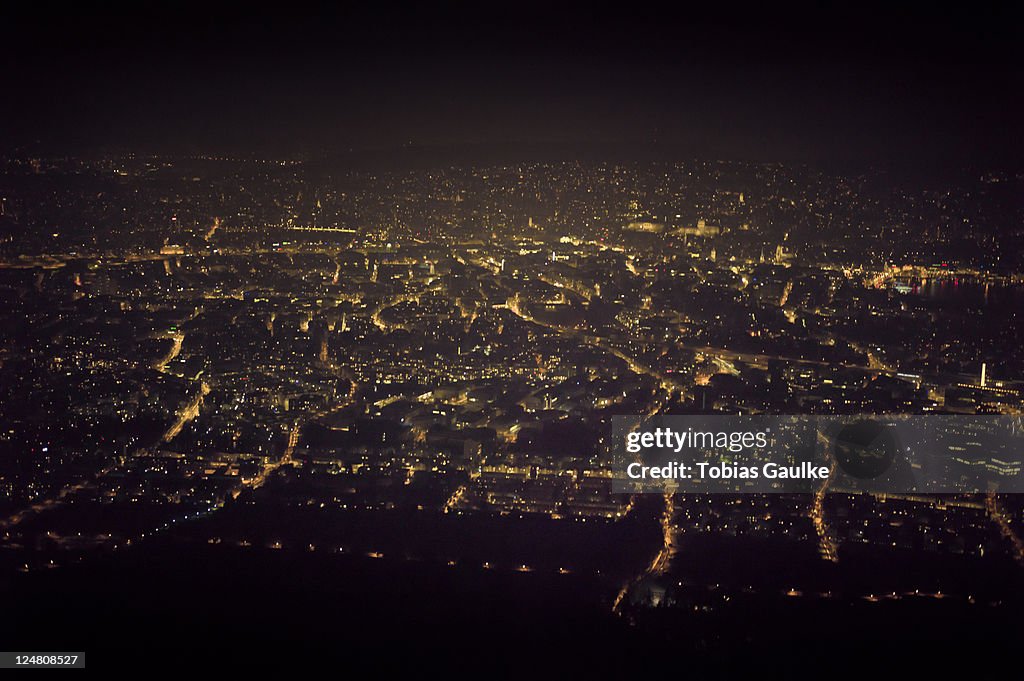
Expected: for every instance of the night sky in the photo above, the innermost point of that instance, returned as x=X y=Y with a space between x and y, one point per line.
x=854 y=84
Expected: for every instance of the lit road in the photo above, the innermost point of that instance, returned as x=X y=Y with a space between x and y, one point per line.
x=668 y=383
x=287 y=457
x=996 y=512
x=379 y=322
x=176 y=341
x=826 y=545
x=186 y=413
x=663 y=559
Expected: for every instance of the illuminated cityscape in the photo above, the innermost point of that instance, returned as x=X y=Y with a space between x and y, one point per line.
x=361 y=408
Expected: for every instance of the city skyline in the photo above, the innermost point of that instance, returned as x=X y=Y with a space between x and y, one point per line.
x=322 y=333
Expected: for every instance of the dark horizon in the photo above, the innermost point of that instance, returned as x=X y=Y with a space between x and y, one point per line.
x=800 y=86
